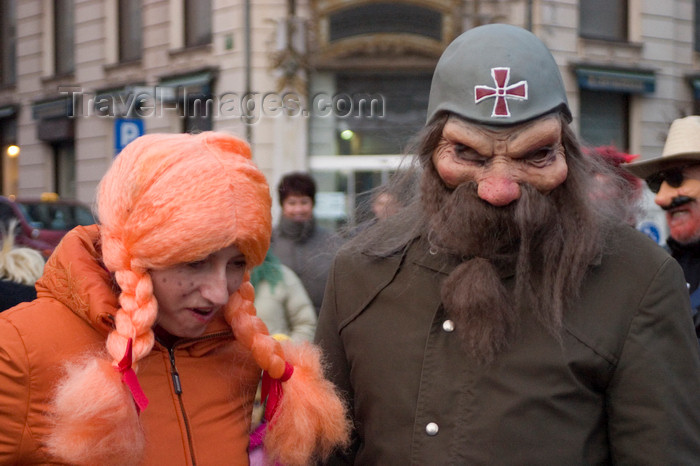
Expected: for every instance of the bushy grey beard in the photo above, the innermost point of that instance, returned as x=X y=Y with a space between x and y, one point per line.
x=548 y=241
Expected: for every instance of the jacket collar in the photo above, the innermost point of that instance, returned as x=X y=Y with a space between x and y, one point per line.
x=217 y=330
x=297 y=231
x=75 y=276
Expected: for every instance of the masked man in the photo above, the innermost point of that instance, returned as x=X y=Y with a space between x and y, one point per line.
x=505 y=317
x=675 y=180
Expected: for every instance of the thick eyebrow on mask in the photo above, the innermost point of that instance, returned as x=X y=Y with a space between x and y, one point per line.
x=552 y=150
x=484 y=140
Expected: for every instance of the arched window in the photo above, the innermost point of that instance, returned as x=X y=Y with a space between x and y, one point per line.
x=387 y=18
x=378 y=31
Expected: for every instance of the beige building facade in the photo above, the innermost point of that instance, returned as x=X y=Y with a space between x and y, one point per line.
x=333 y=86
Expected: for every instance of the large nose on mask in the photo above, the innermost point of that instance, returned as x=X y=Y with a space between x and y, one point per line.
x=498 y=190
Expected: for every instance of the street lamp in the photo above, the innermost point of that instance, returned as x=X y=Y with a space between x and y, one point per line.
x=347 y=134
x=12 y=151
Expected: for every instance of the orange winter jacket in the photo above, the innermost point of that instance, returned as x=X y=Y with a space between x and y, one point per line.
x=200 y=390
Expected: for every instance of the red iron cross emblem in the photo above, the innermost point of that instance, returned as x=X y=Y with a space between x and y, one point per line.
x=501 y=92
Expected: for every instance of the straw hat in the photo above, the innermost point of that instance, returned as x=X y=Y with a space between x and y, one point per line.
x=682 y=146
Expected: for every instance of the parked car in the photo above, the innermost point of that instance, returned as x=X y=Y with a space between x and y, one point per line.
x=43 y=222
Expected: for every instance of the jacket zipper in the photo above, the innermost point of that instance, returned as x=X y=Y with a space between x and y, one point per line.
x=178 y=391
x=177 y=385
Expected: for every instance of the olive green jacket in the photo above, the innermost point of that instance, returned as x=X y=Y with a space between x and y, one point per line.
x=621 y=386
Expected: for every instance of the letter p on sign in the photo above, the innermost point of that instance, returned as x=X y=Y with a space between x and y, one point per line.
x=125 y=131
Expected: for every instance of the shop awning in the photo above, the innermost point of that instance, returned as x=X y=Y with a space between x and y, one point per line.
x=615 y=80
x=194 y=84
x=54 y=108
x=8 y=111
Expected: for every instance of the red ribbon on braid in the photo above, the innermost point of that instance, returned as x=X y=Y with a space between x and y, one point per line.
x=271 y=390
x=130 y=380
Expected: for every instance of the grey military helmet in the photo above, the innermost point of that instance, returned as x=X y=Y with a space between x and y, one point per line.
x=497 y=74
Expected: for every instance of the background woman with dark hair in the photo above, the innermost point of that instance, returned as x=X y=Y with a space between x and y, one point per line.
x=300 y=243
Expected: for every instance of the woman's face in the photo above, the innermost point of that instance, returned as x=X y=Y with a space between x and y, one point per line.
x=191 y=294
x=298 y=208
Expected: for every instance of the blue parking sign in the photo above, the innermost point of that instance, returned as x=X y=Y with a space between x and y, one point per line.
x=125 y=131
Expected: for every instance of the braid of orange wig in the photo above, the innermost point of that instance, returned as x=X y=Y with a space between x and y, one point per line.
x=169 y=199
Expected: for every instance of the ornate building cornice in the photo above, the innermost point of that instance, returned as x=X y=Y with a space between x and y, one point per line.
x=380 y=49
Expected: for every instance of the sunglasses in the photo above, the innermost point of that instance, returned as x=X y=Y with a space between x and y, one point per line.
x=672 y=176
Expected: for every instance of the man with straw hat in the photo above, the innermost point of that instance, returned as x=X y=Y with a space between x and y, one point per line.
x=675 y=180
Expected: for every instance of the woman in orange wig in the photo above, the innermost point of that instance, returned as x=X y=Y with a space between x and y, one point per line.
x=143 y=346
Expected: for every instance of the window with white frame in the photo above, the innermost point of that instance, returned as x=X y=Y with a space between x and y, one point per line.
x=130 y=30
x=8 y=71
x=604 y=118
x=8 y=163
x=603 y=19
x=64 y=168
x=63 y=35
x=696 y=25
x=197 y=16
x=377 y=113
x=197 y=113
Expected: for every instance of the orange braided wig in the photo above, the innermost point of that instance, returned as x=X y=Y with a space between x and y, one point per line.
x=169 y=199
